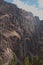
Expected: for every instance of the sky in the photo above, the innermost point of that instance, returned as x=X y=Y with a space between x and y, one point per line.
x=34 y=6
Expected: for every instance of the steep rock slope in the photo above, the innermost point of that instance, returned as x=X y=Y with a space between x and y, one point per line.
x=41 y=38
x=19 y=30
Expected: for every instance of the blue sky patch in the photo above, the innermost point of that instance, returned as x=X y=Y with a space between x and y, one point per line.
x=9 y=0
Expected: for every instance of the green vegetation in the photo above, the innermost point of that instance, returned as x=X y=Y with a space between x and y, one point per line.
x=36 y=61
x=1 y=62
x=26 y=61
x=14 y=60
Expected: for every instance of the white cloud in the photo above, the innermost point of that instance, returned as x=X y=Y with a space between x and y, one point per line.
x=26 y=7
x=40 y=3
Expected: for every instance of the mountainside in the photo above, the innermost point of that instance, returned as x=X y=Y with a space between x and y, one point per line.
x=20 y=32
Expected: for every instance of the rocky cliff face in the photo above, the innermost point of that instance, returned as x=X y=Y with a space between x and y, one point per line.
x=19 y=31
x=41 y=38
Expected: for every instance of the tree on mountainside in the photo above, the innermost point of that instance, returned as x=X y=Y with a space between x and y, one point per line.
x=36 y=61
x=26 y=61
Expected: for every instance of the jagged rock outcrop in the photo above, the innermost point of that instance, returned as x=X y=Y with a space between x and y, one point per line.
x=19 y=30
